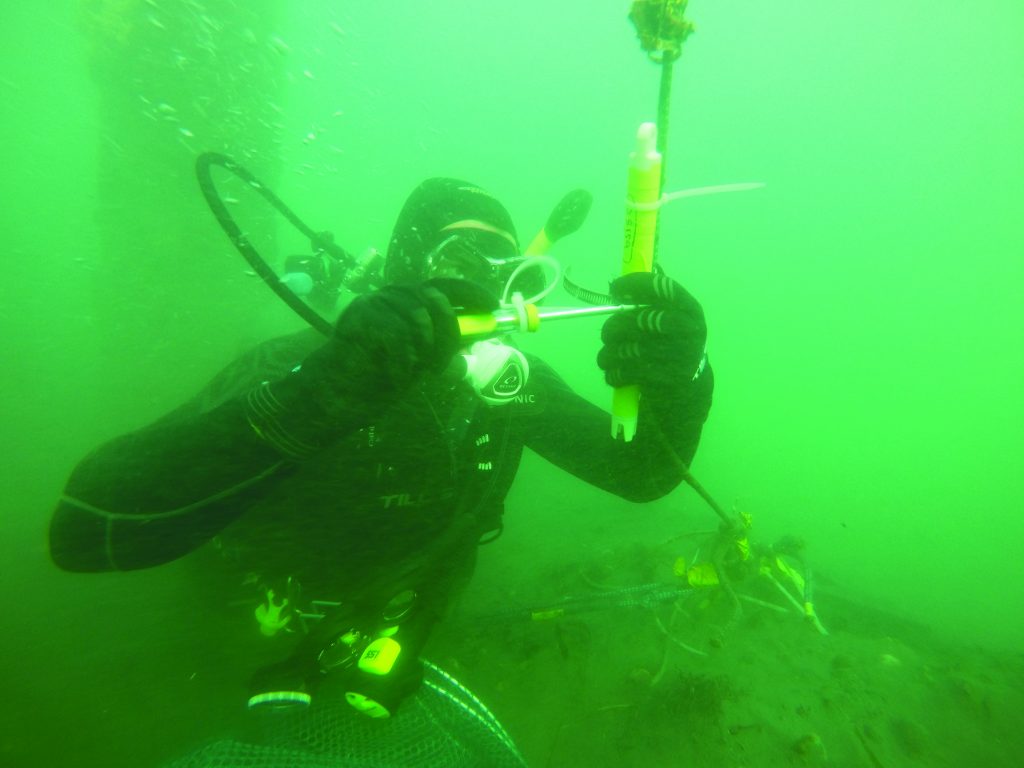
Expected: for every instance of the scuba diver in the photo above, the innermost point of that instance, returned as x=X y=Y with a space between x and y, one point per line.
x=366 y=470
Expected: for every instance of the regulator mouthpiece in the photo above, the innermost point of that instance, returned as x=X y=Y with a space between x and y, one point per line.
x=496 y=371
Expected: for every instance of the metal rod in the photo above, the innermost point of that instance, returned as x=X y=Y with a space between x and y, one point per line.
x=566 y=312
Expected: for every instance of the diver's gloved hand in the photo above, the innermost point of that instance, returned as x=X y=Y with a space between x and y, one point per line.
x=385 y=341
x=382 y=344
x=661 y=345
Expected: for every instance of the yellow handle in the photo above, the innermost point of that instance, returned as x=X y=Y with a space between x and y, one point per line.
x=525 y=317
x=642 y=195
x=478 y=325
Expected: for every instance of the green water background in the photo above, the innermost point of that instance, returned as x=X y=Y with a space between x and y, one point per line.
x=865 y=308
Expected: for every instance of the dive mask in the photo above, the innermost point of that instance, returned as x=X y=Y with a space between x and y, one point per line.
x=462 y=255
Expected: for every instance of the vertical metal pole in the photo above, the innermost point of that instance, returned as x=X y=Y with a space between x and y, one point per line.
x=664 y=100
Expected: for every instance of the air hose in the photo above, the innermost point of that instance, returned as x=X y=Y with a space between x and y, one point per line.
x=352 y=275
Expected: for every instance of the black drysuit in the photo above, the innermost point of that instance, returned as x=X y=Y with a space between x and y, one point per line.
x=397 y=499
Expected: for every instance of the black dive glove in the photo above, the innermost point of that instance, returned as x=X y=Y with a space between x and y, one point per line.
x=382 y=344
x=660 y=345
x=387 y=340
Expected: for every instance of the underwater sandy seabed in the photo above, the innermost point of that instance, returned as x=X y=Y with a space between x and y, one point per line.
x=614 y=687
x=604 y=684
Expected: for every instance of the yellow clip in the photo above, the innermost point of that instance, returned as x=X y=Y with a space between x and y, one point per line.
x=702 y=575
x=380 y=656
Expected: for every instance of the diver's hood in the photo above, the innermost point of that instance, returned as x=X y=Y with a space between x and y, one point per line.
x=421 y=226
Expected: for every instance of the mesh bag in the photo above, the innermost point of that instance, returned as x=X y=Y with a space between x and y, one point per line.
x=442 y=725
